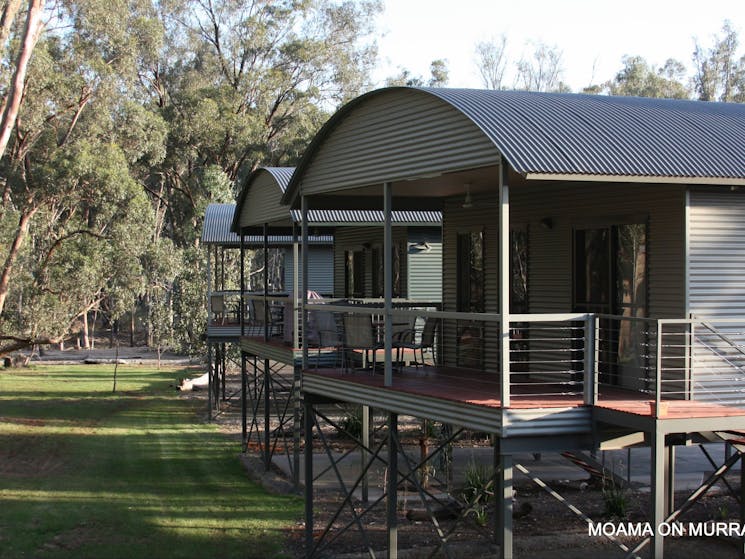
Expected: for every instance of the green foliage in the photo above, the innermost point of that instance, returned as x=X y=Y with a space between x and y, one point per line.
x=638 y=78
x=615 y=499
x=88 y=473
x=136 y=116
x=478 y=491
x=439 y=76
x=351 y=422
x=719 y=73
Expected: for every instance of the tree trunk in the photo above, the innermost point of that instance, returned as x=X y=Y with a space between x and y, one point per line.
x=86 y=338
x=15 y=247
x=93 y=329
x=10 y=9
x=12 y=102
x=132 y=326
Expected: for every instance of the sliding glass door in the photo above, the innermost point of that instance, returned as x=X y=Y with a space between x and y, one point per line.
x=610 y=277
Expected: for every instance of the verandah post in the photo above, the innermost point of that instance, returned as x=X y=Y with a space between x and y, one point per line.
x=504 y=285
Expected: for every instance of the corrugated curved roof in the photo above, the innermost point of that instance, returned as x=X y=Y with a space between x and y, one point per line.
x=555 y=133
x=590 y=135
x=282 y=176
x=216 y=230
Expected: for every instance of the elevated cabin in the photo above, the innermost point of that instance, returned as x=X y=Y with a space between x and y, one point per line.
x=592 y=262
x=357 y=262
x=223 y=248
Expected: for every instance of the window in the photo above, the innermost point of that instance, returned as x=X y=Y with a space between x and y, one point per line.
x=354 y=273
x=610 y=270
x=519 y=271
x=275 y=270
x=378 y=271
x=471 y=298
x=470 y=274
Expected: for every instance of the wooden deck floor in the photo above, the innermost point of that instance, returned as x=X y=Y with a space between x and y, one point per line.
x=482 y=389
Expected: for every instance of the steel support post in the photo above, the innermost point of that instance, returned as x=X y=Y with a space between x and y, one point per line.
x=742 y=501
x=364 y=454
x=670 y=479
x=392 y=489
x=504 y=285
x=267 y=405
x=304 y=256
x=223 y=363
x=387 y=285
x=504 y=502
x=296 y=425
x=308 y=475
x=657 y=448
x=244 y=404
x=209 y=380
x=242 y=309
x=216 y=379
x=295 y=287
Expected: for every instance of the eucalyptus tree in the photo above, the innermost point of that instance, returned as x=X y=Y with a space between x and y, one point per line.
x=541 y=70
x=719 y=73
x=492 y=61
x=439 y=76
x=639 y=78
x=243 y=84
x=75 y=215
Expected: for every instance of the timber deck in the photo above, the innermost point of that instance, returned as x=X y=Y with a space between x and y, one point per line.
x=535 y=405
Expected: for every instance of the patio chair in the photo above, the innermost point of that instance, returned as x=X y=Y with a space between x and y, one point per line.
x=324 y=333
x=258 y=316
x=359 y=334
x=217 y=308
x=403 y=331
x=426 y=341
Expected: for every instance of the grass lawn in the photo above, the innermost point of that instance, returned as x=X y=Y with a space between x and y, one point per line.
x=88 y=473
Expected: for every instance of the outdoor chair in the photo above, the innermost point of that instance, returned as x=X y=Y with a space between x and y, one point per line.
x=403 y=331
x=427 y=340
x=359 y=334
x=258 y=317
x=217 y=308
x=324 y=333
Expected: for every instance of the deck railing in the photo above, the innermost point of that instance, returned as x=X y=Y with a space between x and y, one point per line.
x=703 y=359
x=673 y=359
x=580 y=355
x=547 y=355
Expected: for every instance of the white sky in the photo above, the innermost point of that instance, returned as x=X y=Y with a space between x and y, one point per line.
x=588 y=32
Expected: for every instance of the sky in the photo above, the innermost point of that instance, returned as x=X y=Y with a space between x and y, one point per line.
x=593 y=35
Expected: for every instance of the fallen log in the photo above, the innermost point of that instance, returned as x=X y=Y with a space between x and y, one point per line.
x=198 y=383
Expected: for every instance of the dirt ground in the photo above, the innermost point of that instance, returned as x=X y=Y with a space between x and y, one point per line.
x=543 y=527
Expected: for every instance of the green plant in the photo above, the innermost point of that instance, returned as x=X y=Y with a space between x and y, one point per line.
x=478 y=491
x=615 y=499
x=351 y=423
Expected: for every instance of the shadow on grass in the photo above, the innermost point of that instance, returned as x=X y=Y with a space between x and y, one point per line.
x=129 y=475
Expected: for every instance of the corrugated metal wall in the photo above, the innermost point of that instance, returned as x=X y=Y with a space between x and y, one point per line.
x=550 y=250
x=573 y=205
x=550 y=270
x=320 y=270
x=398 y=135
x=425 y=265
x=364 y=238
x=716 y=289
x=716 y=260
